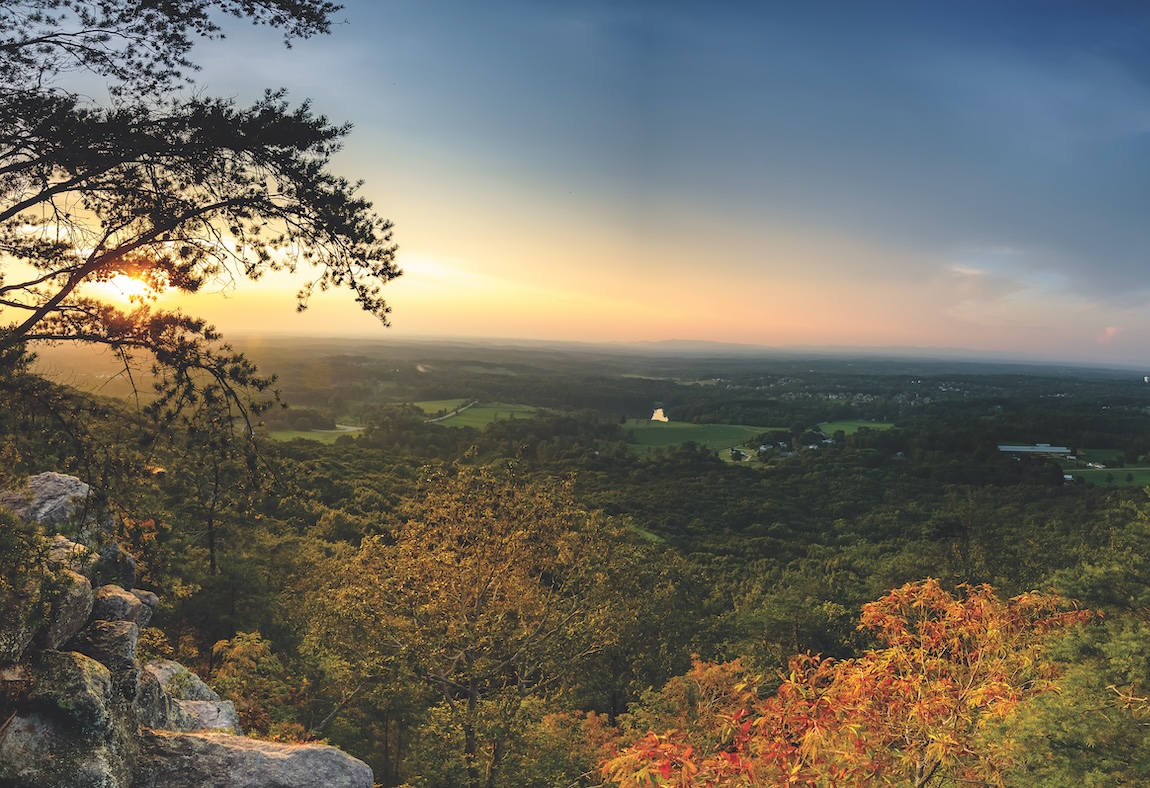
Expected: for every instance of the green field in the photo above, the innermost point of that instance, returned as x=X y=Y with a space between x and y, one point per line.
x=480 y=416
x=650 y=435
x=852 y=425
x=1097 y=476
x=431 y=407
x=323 y=436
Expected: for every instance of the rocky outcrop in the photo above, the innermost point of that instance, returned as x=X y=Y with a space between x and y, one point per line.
x=70 y=728
x=63 y=553
x=208 y=760
x=20 y=622
x=70 y=608
x=113 y=603
x=49 y=498
x=77 y=708
x=113 y=644
x=173 y=698
x=91 y=716
x=51 y=609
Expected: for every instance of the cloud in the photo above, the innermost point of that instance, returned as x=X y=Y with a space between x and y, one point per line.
x=969 y=284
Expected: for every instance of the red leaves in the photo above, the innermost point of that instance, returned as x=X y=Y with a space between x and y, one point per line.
x=919 y=707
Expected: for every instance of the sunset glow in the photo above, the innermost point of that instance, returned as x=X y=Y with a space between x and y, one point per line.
x=124 y=289
x=900 y=175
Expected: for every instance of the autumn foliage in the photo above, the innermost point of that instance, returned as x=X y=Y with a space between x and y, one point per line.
x=933 y=703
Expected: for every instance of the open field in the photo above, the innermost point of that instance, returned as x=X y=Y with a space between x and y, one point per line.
x=323 y=436
x=431 y=407
x=853 y=425
x=1097 y=476
x=480 y=416
x=1140 y=476
x=649 y=435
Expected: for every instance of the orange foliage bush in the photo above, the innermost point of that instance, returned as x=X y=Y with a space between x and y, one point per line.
x=929 y=704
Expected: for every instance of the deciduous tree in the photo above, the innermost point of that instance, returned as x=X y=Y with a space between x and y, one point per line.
x=492 y=589
x=917 y=711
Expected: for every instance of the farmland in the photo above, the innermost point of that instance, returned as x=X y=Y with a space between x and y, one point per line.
x=479 y=416
x=323 y=436
x=851 y=426
x=439 y=407
x=1114 y=471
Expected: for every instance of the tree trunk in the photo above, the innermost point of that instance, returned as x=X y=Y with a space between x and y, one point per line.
x=470 y=739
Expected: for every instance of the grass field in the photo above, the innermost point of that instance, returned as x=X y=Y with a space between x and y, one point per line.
x=1097 y=476
x=431 y=407
x=1140 y=475
x=481 y=415
x=852 y=425
x=323 y=436
x=650 y=435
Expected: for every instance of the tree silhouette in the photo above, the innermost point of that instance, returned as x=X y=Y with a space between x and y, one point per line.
x=159 y=184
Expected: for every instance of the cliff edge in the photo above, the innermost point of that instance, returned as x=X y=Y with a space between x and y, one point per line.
x=78 y=709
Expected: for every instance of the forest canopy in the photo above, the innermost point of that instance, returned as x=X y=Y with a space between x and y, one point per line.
x=540 y=599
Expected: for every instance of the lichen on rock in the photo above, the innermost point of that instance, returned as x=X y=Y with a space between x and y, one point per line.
x=213 y=760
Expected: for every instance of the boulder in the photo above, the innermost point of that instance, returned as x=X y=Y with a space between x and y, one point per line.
x=50 y=498
x=179 y=682
x=75 y=686
x=214 y=760
x=150 y=602
x=69 y=727
x=113 y=643
x=50 y=611
x=113 y=603
x=21 y=620
x=71 y=606
x=172 y=698
x=63 y=553
x=39 y=750
x=209 y=715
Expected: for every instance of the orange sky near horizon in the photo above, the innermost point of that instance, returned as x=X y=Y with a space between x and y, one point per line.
x=903 y=175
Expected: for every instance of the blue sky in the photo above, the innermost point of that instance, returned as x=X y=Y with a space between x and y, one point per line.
x=966 y=175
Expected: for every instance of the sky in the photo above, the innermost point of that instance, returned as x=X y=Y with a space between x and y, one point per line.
x=969 y=175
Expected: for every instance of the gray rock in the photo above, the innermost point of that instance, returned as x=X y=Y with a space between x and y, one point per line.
x=158 y=708
x=150 y=602
x=39 y=750
x=70 y=609
x=71 y=729
x=20 y=622
x=210 y=715
x=213 y=760
x=179 y=682
x=50 y=498
x=66 y=554
x=113 y=643
x=113 y=603
x=75 y=686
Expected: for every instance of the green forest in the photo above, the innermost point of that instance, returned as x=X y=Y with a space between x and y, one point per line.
x=527 y=565
x=520 y=603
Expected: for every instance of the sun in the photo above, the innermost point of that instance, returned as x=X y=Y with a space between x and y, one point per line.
x=122 y=287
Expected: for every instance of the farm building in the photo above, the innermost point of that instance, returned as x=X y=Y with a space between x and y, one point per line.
x=1034 y=449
